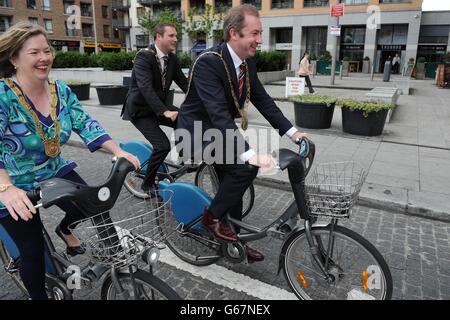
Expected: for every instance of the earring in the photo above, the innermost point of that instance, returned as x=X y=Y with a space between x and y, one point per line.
x=15 y=67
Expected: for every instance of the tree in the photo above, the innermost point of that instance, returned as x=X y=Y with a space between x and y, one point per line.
x=210 y=20
x=150 y=19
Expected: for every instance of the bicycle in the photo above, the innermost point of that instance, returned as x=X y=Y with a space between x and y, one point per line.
x=205 y=176
x=319 y=260
x=113 y=246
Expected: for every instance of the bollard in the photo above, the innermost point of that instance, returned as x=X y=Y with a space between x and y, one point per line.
x=340 y=72
x=387 y=71
x=372 y=72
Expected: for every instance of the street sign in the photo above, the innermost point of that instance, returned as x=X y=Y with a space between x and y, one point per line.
x=335 y=30
x=337 y=10
x=294 y=86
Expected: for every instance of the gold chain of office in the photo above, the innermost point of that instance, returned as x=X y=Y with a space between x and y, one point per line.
x=163 y=78
x=243 y=111
x=51 y=145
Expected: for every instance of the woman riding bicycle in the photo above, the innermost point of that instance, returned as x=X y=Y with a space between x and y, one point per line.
x=37 y=117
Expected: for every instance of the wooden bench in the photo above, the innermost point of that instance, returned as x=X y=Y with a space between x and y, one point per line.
x=384 y=94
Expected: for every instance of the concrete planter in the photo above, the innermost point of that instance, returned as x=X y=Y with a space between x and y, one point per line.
x=272 y=76
x=112 y=95
x=420 y=71
x=356 y=122
x=81 y=90
x=313 y=115
x=345 y=67
x=366 y=66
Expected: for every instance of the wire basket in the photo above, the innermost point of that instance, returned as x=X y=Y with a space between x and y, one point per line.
x=119 y=236
x=332 y=189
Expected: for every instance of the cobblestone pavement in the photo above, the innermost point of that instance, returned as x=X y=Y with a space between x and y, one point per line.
x=416 y=249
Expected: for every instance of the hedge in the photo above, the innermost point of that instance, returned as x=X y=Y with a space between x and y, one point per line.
x=106 y=60
x=270 y=60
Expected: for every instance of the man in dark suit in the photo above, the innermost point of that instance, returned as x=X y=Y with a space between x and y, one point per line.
x=223 y=80
x=147 y=104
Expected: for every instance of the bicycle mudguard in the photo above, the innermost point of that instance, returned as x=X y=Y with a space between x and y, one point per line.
x=188 y=201
x=141 y=150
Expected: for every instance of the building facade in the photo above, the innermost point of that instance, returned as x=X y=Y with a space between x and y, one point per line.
x=377 y=29
x=72 y=25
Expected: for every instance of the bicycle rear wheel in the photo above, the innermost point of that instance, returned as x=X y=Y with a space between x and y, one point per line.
x=356 y=267
x=148 y=287
x=194 y=246
x=12 y=268
x=206 y=179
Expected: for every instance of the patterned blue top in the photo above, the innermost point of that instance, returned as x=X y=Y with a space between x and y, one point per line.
x=22 y=152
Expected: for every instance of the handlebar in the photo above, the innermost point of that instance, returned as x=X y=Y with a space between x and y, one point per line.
x=307 y=151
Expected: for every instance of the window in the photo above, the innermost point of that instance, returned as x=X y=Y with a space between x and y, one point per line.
x=199 y=5
x=31 y=4
x=67 y=4
x=316 y=39
x=256 y=3
x=223 y=5
x=5 y=23
x=104 y=12
x=140 y=12
x=85 y=9
x=354 y=2
x=70 y=30
x=106 y=31
x=33 y=21
x=395 y=1
x=434 y=34
x=46 y=5
x=393 y=34
x=315 y=3
x=142 y=41
x=352 y=35
x=116 y=33
x=5 y=3
x=87 y=29
x=282 y=4
x=283 y=35
x=48 y=25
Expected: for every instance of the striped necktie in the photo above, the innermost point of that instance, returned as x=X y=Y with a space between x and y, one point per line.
x=243 y=68
x=165 y=58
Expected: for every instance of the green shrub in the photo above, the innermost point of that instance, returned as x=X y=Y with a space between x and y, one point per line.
x=76 y=82
x=185 y=59
x=366 y=58
x=346 y=59
x=313 y=57
x=106 y=60
x=70 y=59
x=270 y=60
x=324 y=56
x=314 y=99
x=365 y=106
x=421 y=60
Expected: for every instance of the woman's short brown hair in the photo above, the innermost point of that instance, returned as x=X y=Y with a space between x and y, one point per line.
x=12 y=41
x=235 y=19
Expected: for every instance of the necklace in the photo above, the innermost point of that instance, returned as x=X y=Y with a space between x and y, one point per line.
x=242 y=111
x=51 y=145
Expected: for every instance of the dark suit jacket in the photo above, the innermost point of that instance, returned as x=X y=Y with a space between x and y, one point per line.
x=210 y=101
x=146 y=97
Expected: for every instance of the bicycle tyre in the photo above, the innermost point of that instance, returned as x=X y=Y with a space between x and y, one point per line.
x=142 y=278
x=204 y=181
x=5 y=258
x=190 y=246
x=292 y=265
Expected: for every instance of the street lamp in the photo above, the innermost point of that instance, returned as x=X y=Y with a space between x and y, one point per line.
x=95 y=27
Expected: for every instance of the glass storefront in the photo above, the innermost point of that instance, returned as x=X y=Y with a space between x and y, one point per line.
x=352 y=46
x=391 y=40
x=316 y=39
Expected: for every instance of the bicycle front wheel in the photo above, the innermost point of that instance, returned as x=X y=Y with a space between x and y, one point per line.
x=133 y=182
x=12 y=268
x=206 y=179
x=355 y=269
x=147 y=287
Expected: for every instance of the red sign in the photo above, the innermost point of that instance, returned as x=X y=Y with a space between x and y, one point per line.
x=337 y=10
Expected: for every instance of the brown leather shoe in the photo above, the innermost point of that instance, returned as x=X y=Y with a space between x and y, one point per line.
x=253 y=255
x=219 y=229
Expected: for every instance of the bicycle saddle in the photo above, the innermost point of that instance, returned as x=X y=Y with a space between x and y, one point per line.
x=90 y=199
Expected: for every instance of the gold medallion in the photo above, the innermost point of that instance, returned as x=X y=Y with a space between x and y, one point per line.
x=52 y=148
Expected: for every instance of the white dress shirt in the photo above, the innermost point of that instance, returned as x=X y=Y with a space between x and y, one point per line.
x=237 y=63
x=161 y=55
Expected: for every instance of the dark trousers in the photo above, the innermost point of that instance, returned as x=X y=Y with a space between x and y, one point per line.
x=234 y=180
x=308 y=83
x=149 y=127
x=29 y=239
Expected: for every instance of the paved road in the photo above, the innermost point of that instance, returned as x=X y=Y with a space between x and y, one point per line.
x=417 y=251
